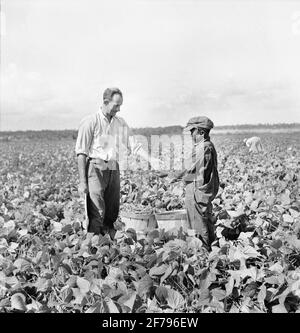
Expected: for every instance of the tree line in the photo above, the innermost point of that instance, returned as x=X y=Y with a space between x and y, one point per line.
x=146 y=131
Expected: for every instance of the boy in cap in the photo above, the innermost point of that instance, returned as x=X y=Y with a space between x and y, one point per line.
x=201 y=180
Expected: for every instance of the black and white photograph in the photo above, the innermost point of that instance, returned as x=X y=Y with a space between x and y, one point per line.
x=149 y=159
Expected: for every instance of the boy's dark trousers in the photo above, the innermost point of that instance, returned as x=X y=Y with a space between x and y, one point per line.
x=200 y=217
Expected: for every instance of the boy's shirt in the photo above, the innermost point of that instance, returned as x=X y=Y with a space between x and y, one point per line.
x=203 y=173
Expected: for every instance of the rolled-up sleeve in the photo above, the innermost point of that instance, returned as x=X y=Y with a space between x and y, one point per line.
x=85 y=136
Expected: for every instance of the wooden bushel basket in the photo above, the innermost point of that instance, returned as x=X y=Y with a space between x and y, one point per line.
x=172 y=220
x=138 y=222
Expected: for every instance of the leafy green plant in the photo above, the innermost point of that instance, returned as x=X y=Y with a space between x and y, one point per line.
x=49 y=265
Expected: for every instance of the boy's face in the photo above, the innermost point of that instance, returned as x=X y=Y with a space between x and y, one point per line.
x=197 y=135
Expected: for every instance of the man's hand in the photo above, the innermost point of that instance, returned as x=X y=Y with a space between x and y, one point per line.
x=83 y=186
x=155 y=163
x=83 y=189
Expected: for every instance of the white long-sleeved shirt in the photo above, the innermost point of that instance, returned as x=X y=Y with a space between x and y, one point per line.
x=99 y=138
x=254 y=144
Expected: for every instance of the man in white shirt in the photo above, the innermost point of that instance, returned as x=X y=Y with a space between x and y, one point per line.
x=100 y=139
x=254 y=144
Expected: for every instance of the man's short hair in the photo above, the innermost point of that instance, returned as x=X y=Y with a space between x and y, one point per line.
x=110 y=92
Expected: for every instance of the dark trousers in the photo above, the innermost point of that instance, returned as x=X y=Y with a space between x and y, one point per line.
x=199 y=217
x=104 y=196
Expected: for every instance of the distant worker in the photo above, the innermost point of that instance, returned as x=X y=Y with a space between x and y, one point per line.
x=254 y=144
x=201 y=180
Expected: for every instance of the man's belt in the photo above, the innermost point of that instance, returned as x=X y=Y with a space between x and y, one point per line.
x=98 y=160
x=107 y=164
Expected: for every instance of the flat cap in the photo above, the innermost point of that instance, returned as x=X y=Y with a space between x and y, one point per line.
x=199 y=122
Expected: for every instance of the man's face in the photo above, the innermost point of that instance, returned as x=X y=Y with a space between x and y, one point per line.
x=114 y=105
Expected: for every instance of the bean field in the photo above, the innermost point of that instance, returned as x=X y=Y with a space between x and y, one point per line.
x=48 y=264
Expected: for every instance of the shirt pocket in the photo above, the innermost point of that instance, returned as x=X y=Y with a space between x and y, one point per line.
x=97 y=141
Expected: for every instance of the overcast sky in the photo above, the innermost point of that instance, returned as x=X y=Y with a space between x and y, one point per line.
x=234 y=61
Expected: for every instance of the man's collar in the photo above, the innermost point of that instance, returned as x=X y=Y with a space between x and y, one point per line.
x=100 y=111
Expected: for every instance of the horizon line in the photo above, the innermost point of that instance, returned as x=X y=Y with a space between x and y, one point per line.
x=156 y=127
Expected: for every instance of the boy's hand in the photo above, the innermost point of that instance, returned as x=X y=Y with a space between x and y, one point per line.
x=155 y=163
